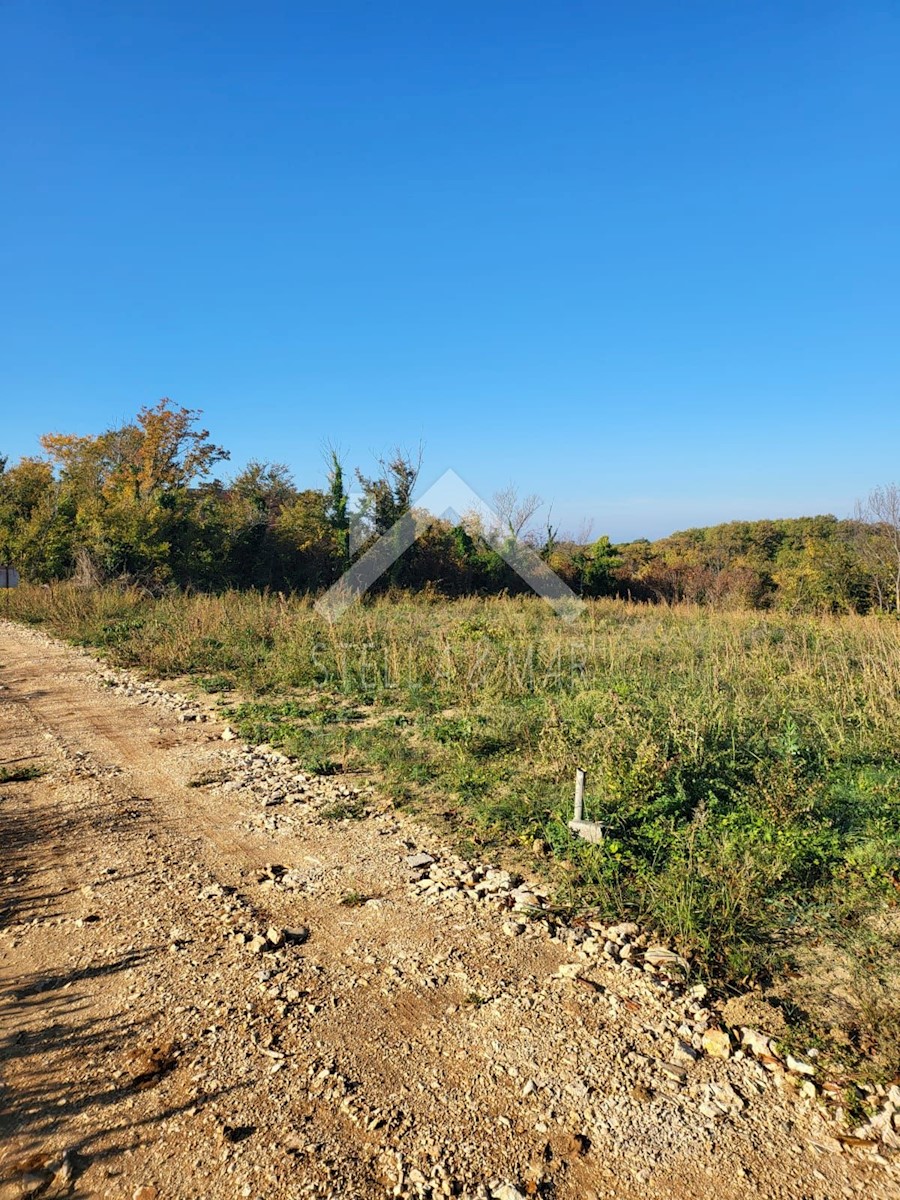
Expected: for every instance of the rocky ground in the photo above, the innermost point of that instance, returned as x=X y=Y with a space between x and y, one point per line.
x=220 y=977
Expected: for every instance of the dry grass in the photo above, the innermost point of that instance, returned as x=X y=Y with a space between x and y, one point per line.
x=747 y=765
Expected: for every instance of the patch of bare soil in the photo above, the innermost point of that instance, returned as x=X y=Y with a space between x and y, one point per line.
x=208 y=988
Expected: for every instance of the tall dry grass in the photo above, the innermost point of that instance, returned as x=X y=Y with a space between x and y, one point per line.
x=746 y=765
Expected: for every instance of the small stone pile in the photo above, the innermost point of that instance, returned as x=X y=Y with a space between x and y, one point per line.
x=455 y=879
x=885 y=1124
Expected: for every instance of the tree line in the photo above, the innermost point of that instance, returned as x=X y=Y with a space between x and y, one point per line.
x=142 y=503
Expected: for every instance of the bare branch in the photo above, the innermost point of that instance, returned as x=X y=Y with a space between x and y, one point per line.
x=514 y=511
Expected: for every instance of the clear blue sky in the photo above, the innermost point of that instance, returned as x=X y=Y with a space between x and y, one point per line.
x=641 y=258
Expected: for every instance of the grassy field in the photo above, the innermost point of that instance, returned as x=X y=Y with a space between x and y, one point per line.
x=746 y=766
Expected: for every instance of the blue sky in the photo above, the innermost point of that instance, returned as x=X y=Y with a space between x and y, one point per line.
x=640 y=258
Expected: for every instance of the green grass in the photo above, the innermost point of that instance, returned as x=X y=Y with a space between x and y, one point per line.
x=351 y=809
x=746 y=765
x=19 y=774
x=215 y=683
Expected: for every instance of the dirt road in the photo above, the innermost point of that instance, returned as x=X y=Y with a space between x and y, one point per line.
x=212 y=984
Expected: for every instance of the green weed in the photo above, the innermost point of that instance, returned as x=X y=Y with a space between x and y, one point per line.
x=20 y=774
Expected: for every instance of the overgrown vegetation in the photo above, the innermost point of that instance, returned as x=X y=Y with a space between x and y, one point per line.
x=746 y=765
x=140 y=504
x=739 y=724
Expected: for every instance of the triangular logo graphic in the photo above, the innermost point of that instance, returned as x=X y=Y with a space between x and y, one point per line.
x=447 y=499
